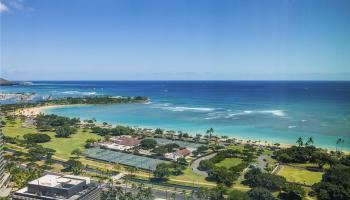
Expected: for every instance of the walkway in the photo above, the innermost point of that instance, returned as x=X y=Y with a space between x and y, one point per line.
x=195 y=165
x=262 y=161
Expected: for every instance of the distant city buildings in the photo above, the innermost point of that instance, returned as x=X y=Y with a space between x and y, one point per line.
x=57 y=186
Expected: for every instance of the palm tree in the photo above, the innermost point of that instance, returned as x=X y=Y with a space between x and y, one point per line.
x=300 y=141
x=309 y=141
x=225 y=137
x=210 y=132
x=342 y=143
x=338 y=143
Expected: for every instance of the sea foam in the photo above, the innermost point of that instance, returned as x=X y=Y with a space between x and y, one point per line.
x=278 y=113
x=169 y=106
x=182 y=108
x=73 y=92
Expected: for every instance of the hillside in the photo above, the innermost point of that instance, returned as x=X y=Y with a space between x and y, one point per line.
x=6 y=82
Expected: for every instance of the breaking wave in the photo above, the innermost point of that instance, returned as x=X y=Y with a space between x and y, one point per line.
x=182 y=108
x=228 y=114
x=78 y=93
x=168 y=106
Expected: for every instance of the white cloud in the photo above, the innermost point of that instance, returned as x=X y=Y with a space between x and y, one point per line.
x=14 y=5
x=3 y=7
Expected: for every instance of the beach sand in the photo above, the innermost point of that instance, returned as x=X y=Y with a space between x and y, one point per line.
x=32 y=112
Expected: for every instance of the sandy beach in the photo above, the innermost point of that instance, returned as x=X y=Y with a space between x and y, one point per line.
x=34 y=111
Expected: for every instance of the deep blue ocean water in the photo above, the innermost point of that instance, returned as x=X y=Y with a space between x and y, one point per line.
x=277 y=111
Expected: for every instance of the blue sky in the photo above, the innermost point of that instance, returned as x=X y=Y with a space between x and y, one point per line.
x=164 y=39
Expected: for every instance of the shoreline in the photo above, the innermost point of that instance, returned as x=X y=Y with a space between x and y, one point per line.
x=34 y=111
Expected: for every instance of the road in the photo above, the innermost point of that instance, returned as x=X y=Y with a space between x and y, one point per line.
x=195 y=165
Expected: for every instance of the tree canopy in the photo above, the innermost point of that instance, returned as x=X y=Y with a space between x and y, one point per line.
x=148 y=143
x=36 y=137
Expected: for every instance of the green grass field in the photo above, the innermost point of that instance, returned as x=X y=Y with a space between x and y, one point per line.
x=189 y=175
x=229 y=162
x=312 y=165
x=298 y=175
x=238 y=147
x=63 y=146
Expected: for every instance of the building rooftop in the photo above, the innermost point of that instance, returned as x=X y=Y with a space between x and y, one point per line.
x=184 y=152
x=51 y=180
x=125 y=140
x=59 y=186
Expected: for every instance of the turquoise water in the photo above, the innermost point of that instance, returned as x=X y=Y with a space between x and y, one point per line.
x=261 y=110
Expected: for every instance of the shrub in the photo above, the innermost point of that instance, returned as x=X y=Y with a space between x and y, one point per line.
x=37 y=137
x=148 y=143
x=335 y=184
x=65 y=131
x=292 y=191
x=237 y=195
x=260 y=194
x=255 y=178
x=205 y=165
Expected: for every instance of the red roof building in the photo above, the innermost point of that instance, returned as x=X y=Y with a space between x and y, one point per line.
x=184 y=152
x=125 y=140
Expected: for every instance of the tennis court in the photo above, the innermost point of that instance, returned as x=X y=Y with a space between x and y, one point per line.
x=189 y=145
x=123 y=158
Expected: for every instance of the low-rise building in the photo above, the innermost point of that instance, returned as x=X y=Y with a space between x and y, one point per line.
x=54 y=187
x=184 y=152
x=121 y=143
x=180 y=153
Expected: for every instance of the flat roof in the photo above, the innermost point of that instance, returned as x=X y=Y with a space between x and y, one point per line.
x=51 y=180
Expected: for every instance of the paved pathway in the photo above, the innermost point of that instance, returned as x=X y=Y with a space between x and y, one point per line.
x=195 y=165
x=262 y=161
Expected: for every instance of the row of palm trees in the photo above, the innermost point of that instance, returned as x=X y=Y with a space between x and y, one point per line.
x=301 y=143
x=339 y=143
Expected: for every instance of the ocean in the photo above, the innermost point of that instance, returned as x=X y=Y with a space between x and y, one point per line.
x=276 y=111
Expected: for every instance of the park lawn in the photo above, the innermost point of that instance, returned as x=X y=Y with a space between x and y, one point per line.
x=271 y=161
x=235 y=147
x=55 y=167
x=16 y=129
x=299 y=175
x=310 y=165
x=63 y=146
x=189 y=175
x=229 y=162
x=239 y=186
x=267 y=152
